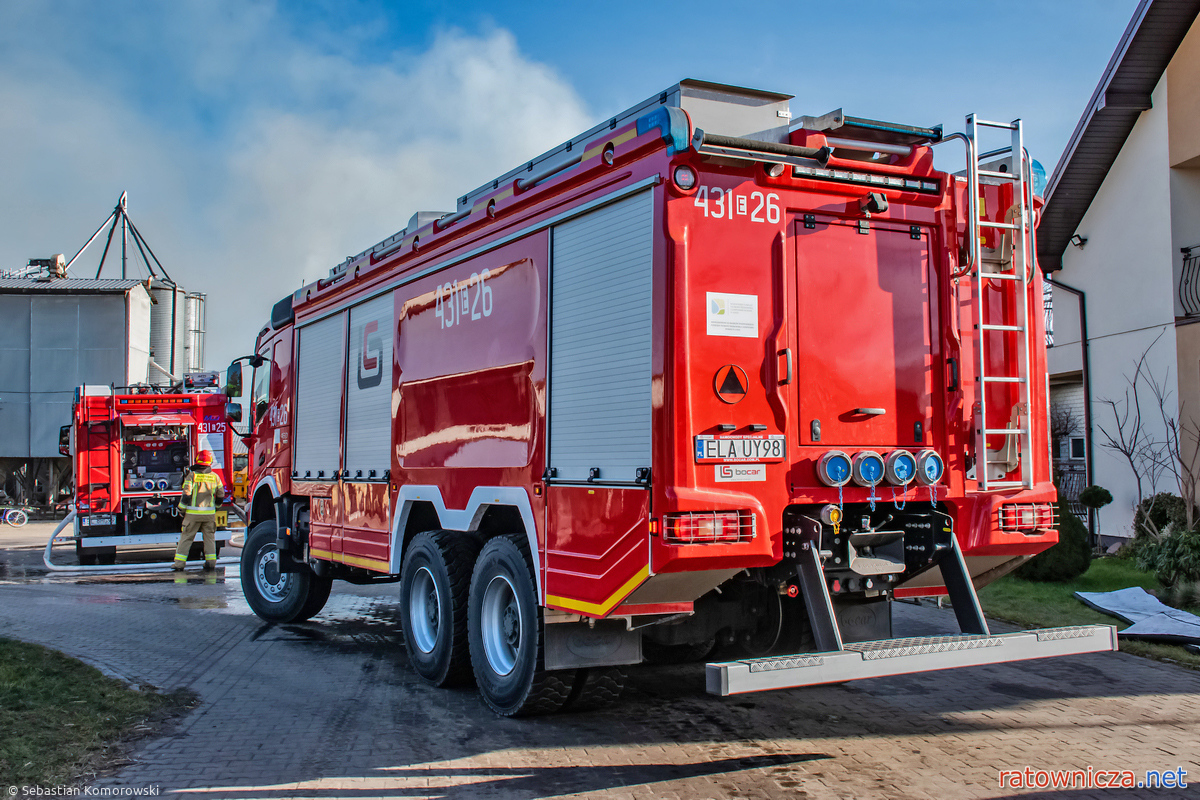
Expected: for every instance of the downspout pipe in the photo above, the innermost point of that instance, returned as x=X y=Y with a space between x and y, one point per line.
x=1087 y=391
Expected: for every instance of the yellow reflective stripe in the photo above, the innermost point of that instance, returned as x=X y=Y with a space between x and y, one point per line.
x=210 y=558
x=601 y=609
x=198 y=510
x=354 y=561
x=180 y=558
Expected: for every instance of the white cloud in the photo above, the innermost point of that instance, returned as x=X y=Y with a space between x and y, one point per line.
x=315 y=154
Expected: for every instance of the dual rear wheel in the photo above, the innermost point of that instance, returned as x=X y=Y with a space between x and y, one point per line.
x=471 y=610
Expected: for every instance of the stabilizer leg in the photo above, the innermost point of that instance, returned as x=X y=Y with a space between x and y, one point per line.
x=961 y=590
x=826 y=635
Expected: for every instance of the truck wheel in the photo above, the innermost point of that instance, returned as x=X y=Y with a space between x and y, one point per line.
x=318 y=595
x=595 y=688
x=196 y=551
x=768 y=630
x=86 y=555
x=435 y=583
x=506 y=634
x=273 y=595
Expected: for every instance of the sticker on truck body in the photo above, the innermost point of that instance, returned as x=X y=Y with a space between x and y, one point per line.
x=736 y=473
x=731 y=314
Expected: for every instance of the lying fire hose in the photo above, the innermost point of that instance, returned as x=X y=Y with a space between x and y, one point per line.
x=111 y=569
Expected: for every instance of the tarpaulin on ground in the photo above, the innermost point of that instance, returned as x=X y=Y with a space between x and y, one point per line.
x=1149 y=617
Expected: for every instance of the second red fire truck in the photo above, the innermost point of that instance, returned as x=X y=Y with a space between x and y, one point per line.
x=704 y=378
x=131 y=450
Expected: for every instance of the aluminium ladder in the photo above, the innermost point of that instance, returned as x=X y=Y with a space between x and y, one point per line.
x=1012 y=284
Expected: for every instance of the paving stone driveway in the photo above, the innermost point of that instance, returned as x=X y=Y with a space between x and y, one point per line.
x=330 y=708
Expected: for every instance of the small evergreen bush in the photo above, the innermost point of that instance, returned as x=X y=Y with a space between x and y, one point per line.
x=1095 y=496
x=1066 y=560
x=1162 y=509
x=1174 y=559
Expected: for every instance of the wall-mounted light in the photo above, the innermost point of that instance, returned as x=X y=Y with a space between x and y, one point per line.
x=1078 y=241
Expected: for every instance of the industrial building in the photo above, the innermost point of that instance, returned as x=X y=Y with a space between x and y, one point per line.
x=61 y=332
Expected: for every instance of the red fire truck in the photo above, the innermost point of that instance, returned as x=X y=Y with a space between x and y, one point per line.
x=131 y=451
x=702 y=378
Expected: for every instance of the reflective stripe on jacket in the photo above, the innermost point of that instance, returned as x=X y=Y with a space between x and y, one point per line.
x=202 y=492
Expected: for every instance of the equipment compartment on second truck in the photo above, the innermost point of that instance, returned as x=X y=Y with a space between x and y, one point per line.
x=700 y=381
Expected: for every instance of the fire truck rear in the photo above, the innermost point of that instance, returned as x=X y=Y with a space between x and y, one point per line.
x=702 y=380
x=131 y=451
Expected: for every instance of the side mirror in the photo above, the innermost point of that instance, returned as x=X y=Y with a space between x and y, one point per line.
x=64 y=440
x=257 y=361
x=233 y=412
x=233 y=381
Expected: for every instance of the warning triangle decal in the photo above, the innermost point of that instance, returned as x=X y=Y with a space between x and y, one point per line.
x=731 y=384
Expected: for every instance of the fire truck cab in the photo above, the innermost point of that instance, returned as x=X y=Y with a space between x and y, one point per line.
x=705 y=379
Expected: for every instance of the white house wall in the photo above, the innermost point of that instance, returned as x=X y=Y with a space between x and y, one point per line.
x=1067 y=354
x=1126 y=271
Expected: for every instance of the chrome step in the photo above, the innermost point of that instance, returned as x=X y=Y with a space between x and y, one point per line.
x=901 y=656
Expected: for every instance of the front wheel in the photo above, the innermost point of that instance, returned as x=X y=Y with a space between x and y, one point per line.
x=274 y=595
x=16 y=517
x=505 y=630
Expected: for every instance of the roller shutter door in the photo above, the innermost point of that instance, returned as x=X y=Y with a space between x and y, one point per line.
x=600 y=339
x=319 y=397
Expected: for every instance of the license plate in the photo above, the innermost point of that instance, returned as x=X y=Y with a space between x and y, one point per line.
x=738 y=449
x=98 y=519
x=222 y=519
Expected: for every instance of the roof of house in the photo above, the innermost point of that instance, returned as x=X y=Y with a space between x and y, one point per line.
x=68 y=285
x=1123 y=93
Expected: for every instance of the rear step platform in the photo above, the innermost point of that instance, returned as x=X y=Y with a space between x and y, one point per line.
x=901 y=656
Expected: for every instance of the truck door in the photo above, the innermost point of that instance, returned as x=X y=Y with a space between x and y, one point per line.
x=597 y=498
x=364 y=503
x=864 y=350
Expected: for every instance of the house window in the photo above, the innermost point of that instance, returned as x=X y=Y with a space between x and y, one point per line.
x=1077 y=448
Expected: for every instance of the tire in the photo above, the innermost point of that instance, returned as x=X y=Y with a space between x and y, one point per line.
x=505 y=629
x=318 y=595
x=86 y=556
x=595 y=688
x=273 y=595
x=435 y=586
x=769 y=626
x=16 y=517
x=196 y=551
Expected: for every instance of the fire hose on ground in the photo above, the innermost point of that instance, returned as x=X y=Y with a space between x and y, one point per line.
x=110 y=569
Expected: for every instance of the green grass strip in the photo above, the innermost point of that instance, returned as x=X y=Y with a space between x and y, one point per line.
x=61 y=719
x=1034 y=604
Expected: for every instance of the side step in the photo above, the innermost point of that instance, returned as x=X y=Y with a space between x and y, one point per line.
x=903 y=656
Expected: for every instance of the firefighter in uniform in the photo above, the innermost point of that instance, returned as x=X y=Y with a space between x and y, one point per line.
x=203 y=491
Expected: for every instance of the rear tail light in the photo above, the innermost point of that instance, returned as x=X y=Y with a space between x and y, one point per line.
x=709 y=527
x=1027 y=517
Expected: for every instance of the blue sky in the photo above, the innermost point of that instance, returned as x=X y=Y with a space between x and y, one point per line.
x=262 y=142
